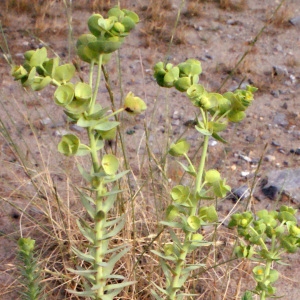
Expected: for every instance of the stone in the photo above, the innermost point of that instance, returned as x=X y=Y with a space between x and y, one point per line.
x=295 y=21
x=280 y=119
x=239 y=193
x=280 y=71
x=282 y=184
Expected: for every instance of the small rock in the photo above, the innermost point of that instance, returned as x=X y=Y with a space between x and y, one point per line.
x=275 y=94
x=269 y=158
x=275 y=143
x=282 y=182
x=61 y=132
x=250 y=138
x=212 y=143
x=176 y=115
x=280 y=119
x=175 y=123
x=297 y=151
x=295 y=21
x=77 y=128
x=280 y=71
x=244 y=157
x=239 y=193
x=284 y=105
x=46 y=121
x=245 y=173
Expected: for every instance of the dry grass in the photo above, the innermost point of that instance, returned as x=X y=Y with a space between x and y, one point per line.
x=235 y=5
x=43 y=195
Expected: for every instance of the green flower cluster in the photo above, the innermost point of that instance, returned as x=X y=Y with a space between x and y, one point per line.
x=107 y=35
x=185 y=77
x=266 y=237
x=38 y=70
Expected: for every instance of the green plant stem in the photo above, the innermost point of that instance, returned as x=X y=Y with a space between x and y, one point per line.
x=193 y=210
x=100 y=218
x=94 y=97
x=199 y=177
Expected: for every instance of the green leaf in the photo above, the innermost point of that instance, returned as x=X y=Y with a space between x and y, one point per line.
x=163 y=256
x=64 y=94
x=82 y=294
x=181 y=147
x=172 y=224
x=219 y=138
x=38 y=57
x=50 y=66
x=203 y=130
x=116 y=177
x=172 y=213
x=114 y=231
x=69 y=144
x=212 y=176
x=118 y=285
x=247 y=296
x=110 y=164
x=40 y=83
x=155 y=295
x=180 y=194
x=86 y=231
x=83 y=256
x=83 y=91
x=190 y=169
x=64 y=73
x=106 y=45
x=88 y=274
x=105 y=126
x=182 y=84
x=113 y=260
x=134 y=104
x=194 y=222
x=208 y=214
x=93 y=25
x=160 y=289
x=86 y=202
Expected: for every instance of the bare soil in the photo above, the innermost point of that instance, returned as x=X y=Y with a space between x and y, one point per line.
x=218 y=34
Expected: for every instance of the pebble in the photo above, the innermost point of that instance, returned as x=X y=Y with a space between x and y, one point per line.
x=297 y=151
x=280 y=71
x=239 y=193
x=61 y=132
x=244 y=157
x=77 y=128
x=278 y=183
x=295 y=21
x=275 y=94
x=269 y=158
x=275 y=143
x=212 y=143
x=250 y=138
x=176 y=115
x=245 y=173
x=280 y=119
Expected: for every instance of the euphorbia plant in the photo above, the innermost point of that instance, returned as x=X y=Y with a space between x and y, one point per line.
x=185 y=214
x=79 y=101
x=264 y=237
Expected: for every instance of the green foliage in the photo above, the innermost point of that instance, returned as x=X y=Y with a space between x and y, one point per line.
x=255 y=231
x=79 y=103
x=30 y=271
x=186 y=213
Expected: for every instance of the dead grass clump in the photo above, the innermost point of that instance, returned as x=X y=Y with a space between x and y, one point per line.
x=235 y=5
x=282 y=17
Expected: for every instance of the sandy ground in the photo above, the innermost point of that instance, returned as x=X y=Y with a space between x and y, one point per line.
x=216 y=36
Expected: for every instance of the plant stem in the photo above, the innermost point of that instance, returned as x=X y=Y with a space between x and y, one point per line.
x=174 y=286
x=100 y=217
